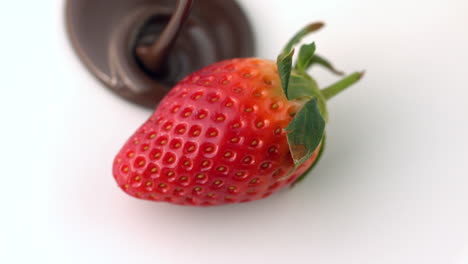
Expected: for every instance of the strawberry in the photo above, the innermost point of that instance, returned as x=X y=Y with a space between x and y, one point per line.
x=236 y=131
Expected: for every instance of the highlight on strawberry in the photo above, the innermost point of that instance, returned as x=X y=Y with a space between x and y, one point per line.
x=236 y=131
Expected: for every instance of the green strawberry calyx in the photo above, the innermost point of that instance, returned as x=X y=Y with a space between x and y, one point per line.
x=306 y=132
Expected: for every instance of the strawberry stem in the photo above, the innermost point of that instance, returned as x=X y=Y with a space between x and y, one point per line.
x=341 y=85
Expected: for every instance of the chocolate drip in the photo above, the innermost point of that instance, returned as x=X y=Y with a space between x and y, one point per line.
x=154 y=57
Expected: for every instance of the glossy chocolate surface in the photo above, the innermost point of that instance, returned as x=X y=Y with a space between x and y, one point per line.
x=106 y=34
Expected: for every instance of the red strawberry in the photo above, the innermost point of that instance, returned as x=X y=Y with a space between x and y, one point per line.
x=235 y=131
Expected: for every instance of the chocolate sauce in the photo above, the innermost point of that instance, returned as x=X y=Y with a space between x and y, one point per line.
x=141 y=48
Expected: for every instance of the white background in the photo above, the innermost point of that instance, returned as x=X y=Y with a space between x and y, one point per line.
x=392 y=187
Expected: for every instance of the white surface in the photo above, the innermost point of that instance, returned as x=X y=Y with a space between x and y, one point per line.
x=392 y=187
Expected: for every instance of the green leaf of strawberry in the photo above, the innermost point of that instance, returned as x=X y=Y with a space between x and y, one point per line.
x=284 y=64
x=306 y=56
x=301 y=34
x=319 y=60
x=305 y=132
x=341 y=85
